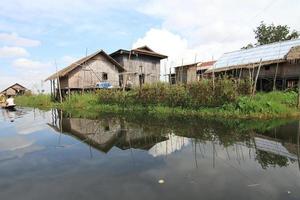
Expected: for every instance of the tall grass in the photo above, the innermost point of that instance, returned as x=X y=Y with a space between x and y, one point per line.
x=195 y=95
x=36 y=101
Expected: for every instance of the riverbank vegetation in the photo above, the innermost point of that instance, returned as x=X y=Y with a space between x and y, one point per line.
x=223 y=98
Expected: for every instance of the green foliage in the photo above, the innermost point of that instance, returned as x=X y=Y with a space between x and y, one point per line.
x=266 y=34
x=194 y=95
x=265 y=103
x=228 y=99
x=37 y=101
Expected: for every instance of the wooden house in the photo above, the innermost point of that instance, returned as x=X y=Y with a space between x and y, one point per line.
x=14 y=90
x=85 y=73
x=142 y=65
x=276 y=65
x=192 y=72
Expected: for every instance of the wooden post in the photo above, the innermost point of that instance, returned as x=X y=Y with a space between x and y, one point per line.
x=181 y=76
x=299 y=92
x=51 y=90
x=59 y=89
x=170 y=76
x=54 y=89
x=69 y=93
x=276 y=70
x=213 y=78
x=275 y=76
x=255 y=82
x=240 y=75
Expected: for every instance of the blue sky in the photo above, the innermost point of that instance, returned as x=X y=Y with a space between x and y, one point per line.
x=35 y=33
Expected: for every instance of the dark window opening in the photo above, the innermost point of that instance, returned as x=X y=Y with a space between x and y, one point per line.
x=142 y=78
x=104 y=77
x=267 y=67
x=106 y=128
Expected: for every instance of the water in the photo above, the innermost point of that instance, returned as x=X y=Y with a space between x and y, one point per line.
x=54 y=155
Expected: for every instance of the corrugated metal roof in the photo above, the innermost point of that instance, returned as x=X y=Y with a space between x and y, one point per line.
x=269 y=52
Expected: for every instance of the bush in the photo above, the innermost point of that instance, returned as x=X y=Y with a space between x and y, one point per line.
x=194 y=95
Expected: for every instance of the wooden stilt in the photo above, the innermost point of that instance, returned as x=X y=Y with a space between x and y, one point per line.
x=299 y=92
x=258 y=70
x=275 y=77
x=51 y=90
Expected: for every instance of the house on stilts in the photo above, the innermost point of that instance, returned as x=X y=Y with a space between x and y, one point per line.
x=85 y=73
x=276 y=65
x=123 y=68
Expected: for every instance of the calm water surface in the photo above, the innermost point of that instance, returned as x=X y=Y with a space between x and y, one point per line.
x=54 y=155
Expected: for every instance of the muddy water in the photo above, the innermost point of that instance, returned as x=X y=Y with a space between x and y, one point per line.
x=54 y=155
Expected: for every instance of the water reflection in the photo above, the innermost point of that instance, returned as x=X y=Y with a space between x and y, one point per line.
x=56 y=155
x=208 y=139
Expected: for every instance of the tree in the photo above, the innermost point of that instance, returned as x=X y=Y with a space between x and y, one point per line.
x=266 y=34
x=248 y=46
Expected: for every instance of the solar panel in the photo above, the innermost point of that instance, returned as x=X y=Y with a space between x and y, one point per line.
x=267 y=52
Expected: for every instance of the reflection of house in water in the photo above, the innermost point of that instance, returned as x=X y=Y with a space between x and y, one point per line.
x=273 y=147
x=103 y=134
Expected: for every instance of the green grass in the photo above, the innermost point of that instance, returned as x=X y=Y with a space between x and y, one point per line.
x=37 y=101
x=261 y=106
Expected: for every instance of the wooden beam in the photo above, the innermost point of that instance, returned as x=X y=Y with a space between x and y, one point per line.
x=258 y=70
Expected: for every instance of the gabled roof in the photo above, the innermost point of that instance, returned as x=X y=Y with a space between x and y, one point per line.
x=207 y=63
x=16 y=84
x=144 y=50
x=189 y=65
x=78 y=63
x=267 y=54
x=199 y=65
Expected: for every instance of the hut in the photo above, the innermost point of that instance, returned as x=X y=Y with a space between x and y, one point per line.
x=85 y=73
x=276 y=65
x=142 y=65
x=14 y=90
x=192 y=72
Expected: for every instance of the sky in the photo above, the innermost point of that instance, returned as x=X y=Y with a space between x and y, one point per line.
x=38 y=37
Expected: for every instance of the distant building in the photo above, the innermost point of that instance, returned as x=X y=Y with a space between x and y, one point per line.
x=142 y=65
x=192 y=72
x=172 y=78
x=14 y=90
x=281 y=57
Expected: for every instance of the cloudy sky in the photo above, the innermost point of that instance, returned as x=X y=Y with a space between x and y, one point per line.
x=36 y=34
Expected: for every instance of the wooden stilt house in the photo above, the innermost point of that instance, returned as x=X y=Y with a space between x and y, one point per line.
x=276 y=65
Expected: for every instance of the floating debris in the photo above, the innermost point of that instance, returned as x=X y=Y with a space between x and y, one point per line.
x=253 y=185
x=161 y=181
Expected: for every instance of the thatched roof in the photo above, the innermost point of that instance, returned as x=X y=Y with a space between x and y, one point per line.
x=294 y=53
x=144 y=50
x=265 y=55
x=78 y=63
x=19 y=87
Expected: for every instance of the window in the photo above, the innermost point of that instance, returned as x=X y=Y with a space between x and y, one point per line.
x=104 y=77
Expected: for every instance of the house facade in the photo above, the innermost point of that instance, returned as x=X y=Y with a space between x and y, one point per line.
x=193 y=72
x=14 y=90
x=87 y=72
x=142 y=65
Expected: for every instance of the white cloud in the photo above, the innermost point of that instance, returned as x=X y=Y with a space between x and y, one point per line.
x=174 y=46
x=27 y=64
x=11 y=52
x=16 y=40
x=210 y=28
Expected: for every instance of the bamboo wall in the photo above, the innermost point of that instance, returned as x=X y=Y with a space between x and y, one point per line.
x=90 y=73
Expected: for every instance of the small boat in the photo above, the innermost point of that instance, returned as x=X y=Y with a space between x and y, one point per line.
x=10 y=107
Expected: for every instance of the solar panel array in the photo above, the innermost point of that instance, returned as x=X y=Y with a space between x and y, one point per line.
x=267 y=52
